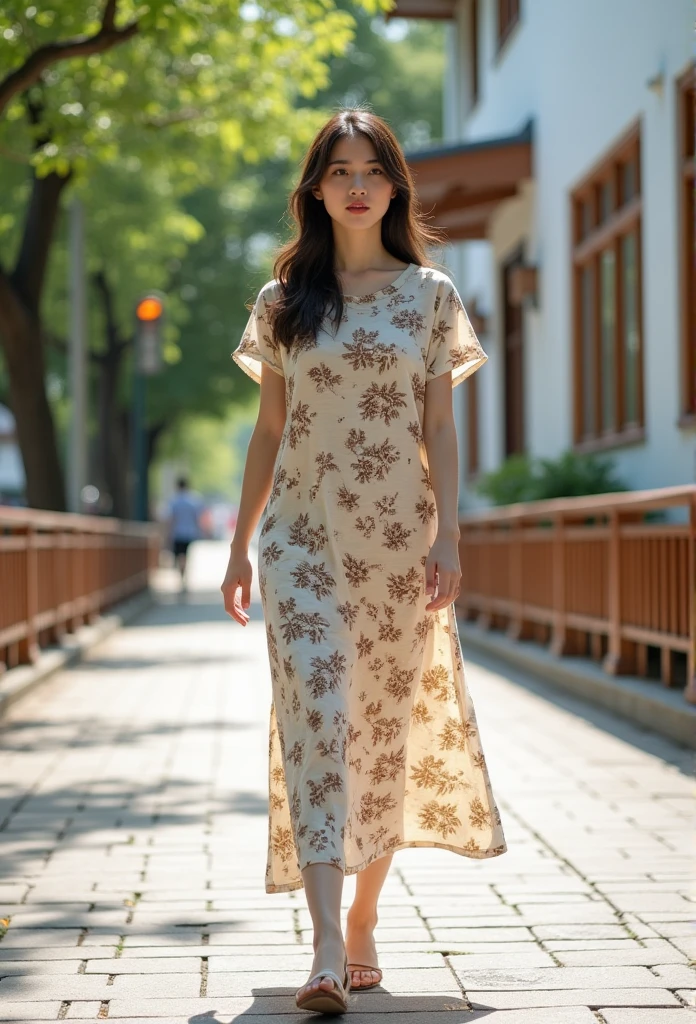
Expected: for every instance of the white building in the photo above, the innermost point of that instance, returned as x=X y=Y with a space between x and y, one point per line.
x=566 y=182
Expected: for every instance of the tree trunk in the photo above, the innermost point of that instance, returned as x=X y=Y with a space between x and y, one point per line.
x=22 y=343
x=20 y=335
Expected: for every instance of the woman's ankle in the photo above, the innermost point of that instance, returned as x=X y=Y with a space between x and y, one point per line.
x=362 y=919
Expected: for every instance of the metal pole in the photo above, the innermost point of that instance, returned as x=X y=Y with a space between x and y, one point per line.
x=77 y=445
x=139 y=460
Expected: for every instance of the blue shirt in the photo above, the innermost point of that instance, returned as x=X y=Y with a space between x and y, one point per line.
x=184 y=510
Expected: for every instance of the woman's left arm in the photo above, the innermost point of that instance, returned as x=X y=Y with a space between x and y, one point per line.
x=440 y=439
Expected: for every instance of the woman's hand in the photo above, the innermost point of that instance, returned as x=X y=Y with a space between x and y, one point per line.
x=239 y=573
x=442 y=571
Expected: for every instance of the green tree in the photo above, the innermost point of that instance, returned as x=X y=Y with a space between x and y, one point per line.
x=191 y=87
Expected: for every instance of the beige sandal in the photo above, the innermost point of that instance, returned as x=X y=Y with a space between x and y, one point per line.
x=365 y=967
x=333 y=1001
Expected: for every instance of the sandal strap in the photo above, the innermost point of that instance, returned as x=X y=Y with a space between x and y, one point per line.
x=365 y=967
x=327 y=974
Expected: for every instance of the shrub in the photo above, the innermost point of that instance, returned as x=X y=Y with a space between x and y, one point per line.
x=571 y=475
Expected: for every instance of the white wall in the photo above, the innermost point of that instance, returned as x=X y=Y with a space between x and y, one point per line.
x=580 y=71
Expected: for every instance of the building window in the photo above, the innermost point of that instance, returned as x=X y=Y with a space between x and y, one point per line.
x=508 y=16
x=687 y=173
x=474 y=64
x=606 y=211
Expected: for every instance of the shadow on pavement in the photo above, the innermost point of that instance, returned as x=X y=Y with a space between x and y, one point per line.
x=370 y=1005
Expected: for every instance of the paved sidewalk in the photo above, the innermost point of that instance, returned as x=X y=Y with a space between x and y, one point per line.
x=133 y=837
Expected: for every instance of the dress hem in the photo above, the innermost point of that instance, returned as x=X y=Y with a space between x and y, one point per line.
x=495 y=851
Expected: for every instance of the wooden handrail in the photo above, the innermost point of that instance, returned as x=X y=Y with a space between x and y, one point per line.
x=590 y=576
x=59 y=571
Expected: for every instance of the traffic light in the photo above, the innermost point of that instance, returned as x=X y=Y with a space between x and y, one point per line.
x=149 y=314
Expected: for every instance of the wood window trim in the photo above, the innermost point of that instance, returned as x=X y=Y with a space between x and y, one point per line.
x=473 y=464
x=604 y=214
x=686 y=164
x=508 y=18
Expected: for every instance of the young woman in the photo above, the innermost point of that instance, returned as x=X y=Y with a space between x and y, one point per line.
x=352 y=468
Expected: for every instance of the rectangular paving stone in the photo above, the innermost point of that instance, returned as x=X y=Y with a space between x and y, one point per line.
x=558 y=978
x=150 y=986
x=635 y=1015
x=82 y=1011
x=621 y=957
x=33 y=987
x=145 y=965
x=397 y=980
x=557 y=1015
x=572 y=997
x=277 y=1005
x=38 y=1010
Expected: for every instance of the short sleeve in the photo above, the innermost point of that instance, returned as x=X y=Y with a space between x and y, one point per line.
x=258 y=345
x=453 y=344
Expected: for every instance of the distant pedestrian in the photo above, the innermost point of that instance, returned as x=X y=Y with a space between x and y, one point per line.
x=351 y=473
x=185 y=510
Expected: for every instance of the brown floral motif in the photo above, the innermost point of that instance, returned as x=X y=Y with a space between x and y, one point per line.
x=389 y=632
x=420 y=714
x=364 y=646
x=366 y=353
x=388 y=766
x=373 y=743
x=382 y=401
x=374 y=461
x=296 y=753
x=316 y=578
x=296 y=625
x=365 y=525
x=409 y=320
x=415 y=430
x=324 y=379
x=454 y=735
x=405 y=587
x=271 y=553
x=347 y=500
x=385 y=505
x=315 y=719
x=479 y=817
x=437 y=683
x=395 y=536
x=399 y=300
x=357 y=570
x=300 y=422
x=440 y=818
x=398 y=685
x=325 y=464
x=318 y=791
x=425 y=510
x=384 y=730
x=430 y=773
x=327 y=674
x=302 y=535
x=349 y=613
x=372 y=807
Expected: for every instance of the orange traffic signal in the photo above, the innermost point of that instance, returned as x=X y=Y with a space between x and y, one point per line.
x=149 y=309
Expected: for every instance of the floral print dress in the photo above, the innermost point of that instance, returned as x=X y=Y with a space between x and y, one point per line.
x=373 y=741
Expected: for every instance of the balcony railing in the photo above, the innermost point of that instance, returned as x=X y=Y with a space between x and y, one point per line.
x=599 y=576
x=58 y=572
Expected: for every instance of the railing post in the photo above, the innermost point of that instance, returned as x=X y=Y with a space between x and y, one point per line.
x=690 y=691
x=559 y=640
x=615 y=661
x=28 y=647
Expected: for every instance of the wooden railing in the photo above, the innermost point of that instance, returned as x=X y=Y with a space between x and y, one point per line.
x=598 y=576
x=58 y=572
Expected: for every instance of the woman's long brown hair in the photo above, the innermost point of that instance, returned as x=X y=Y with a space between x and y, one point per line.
x=304 y=266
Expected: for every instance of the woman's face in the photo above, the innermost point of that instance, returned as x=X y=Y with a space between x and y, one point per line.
x=354 y=187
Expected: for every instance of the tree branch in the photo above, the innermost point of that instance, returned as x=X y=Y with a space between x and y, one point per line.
x=106 y=38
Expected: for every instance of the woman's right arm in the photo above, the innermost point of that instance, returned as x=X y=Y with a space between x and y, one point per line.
x=256 y=488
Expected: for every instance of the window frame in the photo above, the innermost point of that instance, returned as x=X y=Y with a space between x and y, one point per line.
x=508 y=17
x=686 y=168
x=605 y=233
